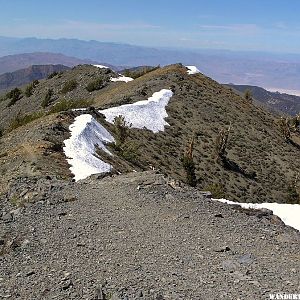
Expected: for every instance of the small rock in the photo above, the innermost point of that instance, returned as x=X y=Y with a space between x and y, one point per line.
x=62 y=213
x=245 y=259
x=67 y=284
x=229 y=265
x=16 y=212
x=240 y=276
x=30 y=273
x=99 y=294
x=66 y=275
x=219 y=216
x=223 y=249
x=114 y=297
x=8 y=217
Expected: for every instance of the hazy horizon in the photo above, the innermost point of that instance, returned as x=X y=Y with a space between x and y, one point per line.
x=259 y=26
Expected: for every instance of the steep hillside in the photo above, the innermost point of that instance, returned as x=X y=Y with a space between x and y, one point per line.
x=24 y=76
x=67 y=86
x=285 y=103
x=260 y=166
x=11 y=63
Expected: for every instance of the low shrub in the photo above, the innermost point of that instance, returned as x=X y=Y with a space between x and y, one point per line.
x=14 y=96
x=69 y=86
x=189 y=164
x=47 y=98
x=30 y=88
x=216 y=189
x=121 y=128
x=19 y=120
x=55 y=73
x=95 y=85
x=293 y=196
x=64 y=105
x=139 y=72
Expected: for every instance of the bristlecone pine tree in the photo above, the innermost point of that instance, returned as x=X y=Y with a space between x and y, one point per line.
x=285 y=128
x=293 y=190
x=221 y=144
x=295 y=123
x=248 y=95
x=188 y=164
x=121 y=130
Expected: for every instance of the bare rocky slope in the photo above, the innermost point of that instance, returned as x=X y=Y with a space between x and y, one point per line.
x=140 y=236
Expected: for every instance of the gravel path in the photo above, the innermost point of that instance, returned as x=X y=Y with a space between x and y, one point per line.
x=135 y=236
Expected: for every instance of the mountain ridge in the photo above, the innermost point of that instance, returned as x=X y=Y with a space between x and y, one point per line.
x=260 y=163
x=224 y=66
x=280 y=102
x=25 y=76
x=14 y=62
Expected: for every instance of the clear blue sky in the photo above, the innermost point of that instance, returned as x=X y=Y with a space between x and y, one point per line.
x=268 y=25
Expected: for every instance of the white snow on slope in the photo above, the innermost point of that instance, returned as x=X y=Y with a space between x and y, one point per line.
x=192 y=70
x=101 y=66
x=86 y=132
x=121 y=78
x=288 y=213
x=147 y=113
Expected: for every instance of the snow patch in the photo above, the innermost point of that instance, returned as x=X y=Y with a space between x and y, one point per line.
x=121 y=78
x=101 y=66
x=79 y=109
x=148 y=114
x=192 y=70
x=80 y=149
x=288 y=213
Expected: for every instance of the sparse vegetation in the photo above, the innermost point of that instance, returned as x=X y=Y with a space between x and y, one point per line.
x=30 y=88
x=216 y=189
x=126 y=149
x=129 y=151
x=14 y=95
x=55 y=73
x=248 y=95
x=293 y=191
x=285 y=128
x=95 y=85
x=64 y=105
x=19 y=120
x=293 y=195
x=189 y=164
x=47 y=98
x=69 y=86
x=221 y=144
x=139 y=72
x=121 y=128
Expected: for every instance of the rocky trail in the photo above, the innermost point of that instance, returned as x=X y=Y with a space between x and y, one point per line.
x=141 y=236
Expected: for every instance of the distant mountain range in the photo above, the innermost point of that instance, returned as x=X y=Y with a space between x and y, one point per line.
x=271 y=71
x=280 y=102
x=11 y=63
x=24 y=76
